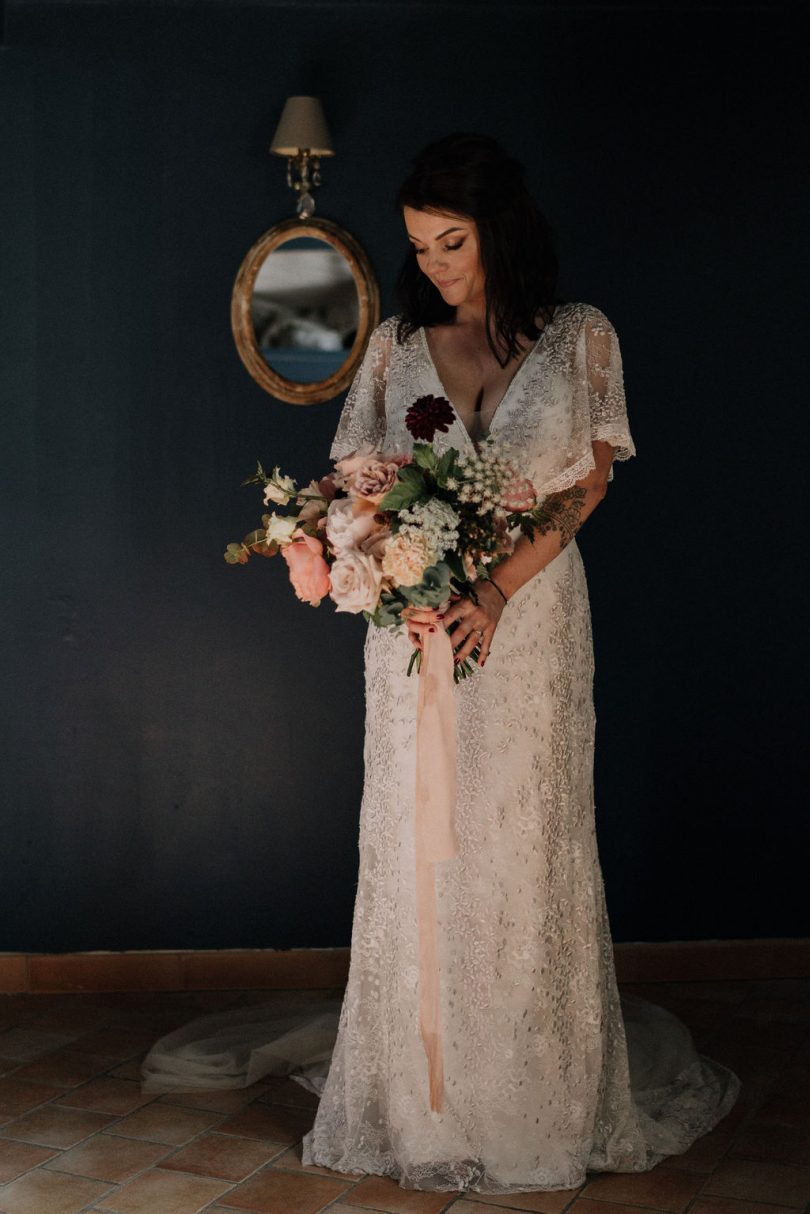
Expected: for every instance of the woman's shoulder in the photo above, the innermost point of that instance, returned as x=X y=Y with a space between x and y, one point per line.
x=587 y=312
x=386 y=332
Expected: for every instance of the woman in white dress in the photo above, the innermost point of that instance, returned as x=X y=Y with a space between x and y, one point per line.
x=547 y=1073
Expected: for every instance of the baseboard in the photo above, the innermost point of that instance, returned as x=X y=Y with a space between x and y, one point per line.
x=308 y=968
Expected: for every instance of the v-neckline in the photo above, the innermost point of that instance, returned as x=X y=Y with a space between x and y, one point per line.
x=509 y=386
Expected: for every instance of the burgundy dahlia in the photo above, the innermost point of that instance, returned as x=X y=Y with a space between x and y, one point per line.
x=429 y=414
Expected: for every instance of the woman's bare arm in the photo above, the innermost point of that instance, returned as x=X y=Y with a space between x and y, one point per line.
x=564 y=512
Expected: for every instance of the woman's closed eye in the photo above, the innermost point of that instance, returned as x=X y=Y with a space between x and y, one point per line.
x=448 y=248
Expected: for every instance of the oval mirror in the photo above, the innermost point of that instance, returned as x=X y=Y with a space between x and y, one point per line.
x=303 y=306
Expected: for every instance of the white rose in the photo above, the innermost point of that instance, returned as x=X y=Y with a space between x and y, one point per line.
x=356 y=579
x=345 y=529
x=280 y=529
x=280 y=489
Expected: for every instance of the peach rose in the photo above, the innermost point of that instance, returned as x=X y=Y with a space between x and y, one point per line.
x=309 y=572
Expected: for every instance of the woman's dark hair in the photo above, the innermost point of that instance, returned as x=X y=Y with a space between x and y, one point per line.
x=471 y=175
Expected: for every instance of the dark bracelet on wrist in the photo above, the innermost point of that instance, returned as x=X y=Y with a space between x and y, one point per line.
x=497 y=587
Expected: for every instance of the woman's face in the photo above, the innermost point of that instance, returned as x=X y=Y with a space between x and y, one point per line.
x=447 y=251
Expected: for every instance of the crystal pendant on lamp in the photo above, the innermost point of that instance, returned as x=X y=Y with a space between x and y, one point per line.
x=303 y=137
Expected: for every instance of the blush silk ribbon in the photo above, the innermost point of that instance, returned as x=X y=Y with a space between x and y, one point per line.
x=434 y=823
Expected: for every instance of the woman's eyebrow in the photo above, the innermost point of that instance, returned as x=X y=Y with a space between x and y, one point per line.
x=446 y=232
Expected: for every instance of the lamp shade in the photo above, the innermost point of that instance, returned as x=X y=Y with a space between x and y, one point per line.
x=302 y=125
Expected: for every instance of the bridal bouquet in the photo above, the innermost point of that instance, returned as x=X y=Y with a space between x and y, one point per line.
x=388 y=531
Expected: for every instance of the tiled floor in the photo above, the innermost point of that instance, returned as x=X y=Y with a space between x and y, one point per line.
x=77 y=1134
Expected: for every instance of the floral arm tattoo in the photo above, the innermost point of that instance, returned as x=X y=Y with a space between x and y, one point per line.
x=560 y=512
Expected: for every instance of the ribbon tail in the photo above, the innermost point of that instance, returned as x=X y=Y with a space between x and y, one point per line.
x=435 y=834
x=429 y=1008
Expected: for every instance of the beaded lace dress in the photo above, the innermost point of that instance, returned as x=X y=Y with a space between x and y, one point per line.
x=548 y=1071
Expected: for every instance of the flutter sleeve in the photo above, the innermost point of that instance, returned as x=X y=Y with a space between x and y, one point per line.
x=362 y=419
x=604 y=380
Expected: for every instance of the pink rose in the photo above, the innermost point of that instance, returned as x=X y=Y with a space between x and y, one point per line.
x=356 y=580
x=354 y=468
x=309 y=572
x=373 y=480
x=518 y=494
x=347 y=468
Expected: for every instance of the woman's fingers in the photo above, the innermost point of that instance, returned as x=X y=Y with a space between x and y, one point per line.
x=465 y=639
x=416 y=630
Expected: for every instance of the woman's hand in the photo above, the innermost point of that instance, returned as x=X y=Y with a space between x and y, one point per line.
x=476 y=625
x=417 y=628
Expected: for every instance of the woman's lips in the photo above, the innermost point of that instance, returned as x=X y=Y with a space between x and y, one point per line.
x=446 y=284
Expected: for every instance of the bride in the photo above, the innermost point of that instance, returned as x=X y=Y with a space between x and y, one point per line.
x=545 y=1072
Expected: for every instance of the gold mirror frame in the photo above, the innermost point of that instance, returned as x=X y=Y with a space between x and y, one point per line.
x=368 y=296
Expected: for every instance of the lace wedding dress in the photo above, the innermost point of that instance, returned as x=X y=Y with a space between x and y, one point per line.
x=548 y=1072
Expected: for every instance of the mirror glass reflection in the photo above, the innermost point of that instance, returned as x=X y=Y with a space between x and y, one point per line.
x=305 y=309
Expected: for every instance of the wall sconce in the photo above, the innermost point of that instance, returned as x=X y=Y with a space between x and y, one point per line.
x=303 y=137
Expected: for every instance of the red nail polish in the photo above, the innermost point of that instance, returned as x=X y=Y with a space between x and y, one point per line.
x=431 y=629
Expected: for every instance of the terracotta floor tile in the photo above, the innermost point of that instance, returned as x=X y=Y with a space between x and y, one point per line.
x=222 y=1156
x=105 y=1095
x=274 y=1192
x=290 y=1160
x=274 y=1123
x=453 y=1206
x=25 y=1044
x=164 y=1193
x=585 y=1205
x=777 y=1143
x=18 y=1157
x=217 y=1102
x=40 y=1192
x=53 y=1127
x=550 y=1202
x=64 y=1068
x=662 y=1189
x=18 y=1096
x=283 y=1090
x=71 y=1017
x=106 y=1157
x=131 y=1069
x=116 y=1042
x=705 y=1152
x=165 y=1123
x=785 y=1108
x=384 y=1193
x=727 y=1205
x=753 y=1180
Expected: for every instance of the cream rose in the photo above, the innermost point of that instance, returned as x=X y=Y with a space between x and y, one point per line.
x=281 y=529
x=356 y=579
x=280 y=489
x=346 y=529
x=406 y=559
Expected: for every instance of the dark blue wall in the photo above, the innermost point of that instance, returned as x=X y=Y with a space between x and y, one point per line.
x=181 y=769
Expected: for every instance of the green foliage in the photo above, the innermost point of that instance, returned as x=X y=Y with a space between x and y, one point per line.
x=259 y=477
x=389 y=611
x=425 y=457
x=432 y=590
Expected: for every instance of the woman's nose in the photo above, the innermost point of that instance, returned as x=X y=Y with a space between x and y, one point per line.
x=436 y=261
